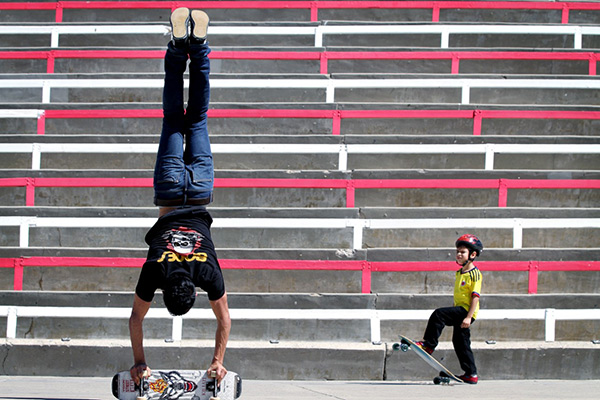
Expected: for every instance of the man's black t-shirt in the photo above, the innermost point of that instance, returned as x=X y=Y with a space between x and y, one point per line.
x=180 y=242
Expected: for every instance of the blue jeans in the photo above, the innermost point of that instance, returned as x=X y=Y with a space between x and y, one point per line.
x=184 y=176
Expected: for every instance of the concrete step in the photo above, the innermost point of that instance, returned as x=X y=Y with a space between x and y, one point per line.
x=305 y=270
x=291 y=212
x=275 y=195
x=297 y=123
x=248 y=13
x=312 y=360
x=322 y=153
x=416 y=60
x=240 y=60
x=531 y=35
x=320 y=328
x=285 y=88
x=331 y=229
x=356 y=139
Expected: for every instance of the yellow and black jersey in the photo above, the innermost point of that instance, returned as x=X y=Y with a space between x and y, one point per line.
x=467 y=285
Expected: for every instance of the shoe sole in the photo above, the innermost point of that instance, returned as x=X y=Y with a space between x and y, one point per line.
x=200 y=20
x=178 y=22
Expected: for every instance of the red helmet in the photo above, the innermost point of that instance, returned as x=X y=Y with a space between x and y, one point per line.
x=470 y=241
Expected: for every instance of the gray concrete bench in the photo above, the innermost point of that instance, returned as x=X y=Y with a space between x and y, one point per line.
x=309 y=60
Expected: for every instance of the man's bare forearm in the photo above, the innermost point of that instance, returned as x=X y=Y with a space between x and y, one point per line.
x=221 y=338
x=136 y=329
x=136 y=335
x=221 y=310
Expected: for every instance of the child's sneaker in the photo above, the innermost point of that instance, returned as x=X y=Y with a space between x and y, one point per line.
x=199 y=26
x=180 y=19
x=471 y=379
x=427 y=349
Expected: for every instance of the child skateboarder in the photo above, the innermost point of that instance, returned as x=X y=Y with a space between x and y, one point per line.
x=467 y=290
x=181 y=254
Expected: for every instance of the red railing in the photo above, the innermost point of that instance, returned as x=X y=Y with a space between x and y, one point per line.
x=335 y=115
x=349 y=185
x=323 y=57
x=311 y=5
x=367 y=268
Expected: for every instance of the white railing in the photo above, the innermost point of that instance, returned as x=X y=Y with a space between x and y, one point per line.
x=358 y=226
x=318 y=32
x=328 y=85
x=343 y=150
x=549 y=315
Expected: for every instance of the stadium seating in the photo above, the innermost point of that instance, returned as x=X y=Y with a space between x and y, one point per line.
x=353 y=142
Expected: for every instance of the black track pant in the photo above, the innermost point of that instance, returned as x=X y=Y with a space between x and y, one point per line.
x=461 y=337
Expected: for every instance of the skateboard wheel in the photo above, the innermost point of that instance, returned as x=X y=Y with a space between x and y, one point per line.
x=396 y=346
x=437 y=380
x=404 y=347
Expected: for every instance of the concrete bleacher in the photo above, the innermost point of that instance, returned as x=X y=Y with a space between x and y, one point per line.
x=352 y=145
x=310 y=59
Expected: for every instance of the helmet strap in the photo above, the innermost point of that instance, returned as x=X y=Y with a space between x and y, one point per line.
x=470 y=259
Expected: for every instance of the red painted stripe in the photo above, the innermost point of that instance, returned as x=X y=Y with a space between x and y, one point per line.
x=280 y=183
x=322 y=265
x=319 y=183
x=18 y=264
x=269 y=113
x=27 y=55
x=310 y=55
x=329 y=265
x=425 y=183
x=535 y=114
x=92 y=182
x=348 y=114
x=13 y=182
x=552 y=183
x=533 y=5
x=126 y=113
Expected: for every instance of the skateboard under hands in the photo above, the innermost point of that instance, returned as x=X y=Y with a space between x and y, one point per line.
x=177 y=385
x=445 y=376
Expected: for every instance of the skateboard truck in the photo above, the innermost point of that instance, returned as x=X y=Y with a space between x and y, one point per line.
x=442 y=378
x=213 y=386
x=143 y=387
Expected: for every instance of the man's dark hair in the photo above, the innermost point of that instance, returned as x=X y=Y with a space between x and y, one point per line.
x=179 y=294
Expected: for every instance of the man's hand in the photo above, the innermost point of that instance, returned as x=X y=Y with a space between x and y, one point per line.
x=217 y=367
x=138 y=371
x=466 y=323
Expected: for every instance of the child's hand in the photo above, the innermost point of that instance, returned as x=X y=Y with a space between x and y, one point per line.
x=466 y=323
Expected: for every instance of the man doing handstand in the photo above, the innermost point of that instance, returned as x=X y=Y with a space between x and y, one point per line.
x=181 y=254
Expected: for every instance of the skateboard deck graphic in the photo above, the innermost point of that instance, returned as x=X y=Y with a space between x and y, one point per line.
x=445 y=376
x=181 y=385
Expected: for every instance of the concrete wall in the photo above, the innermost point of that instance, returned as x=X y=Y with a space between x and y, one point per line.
x=312 y=361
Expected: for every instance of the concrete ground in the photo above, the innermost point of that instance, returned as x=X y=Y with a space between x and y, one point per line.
x=54 y=388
